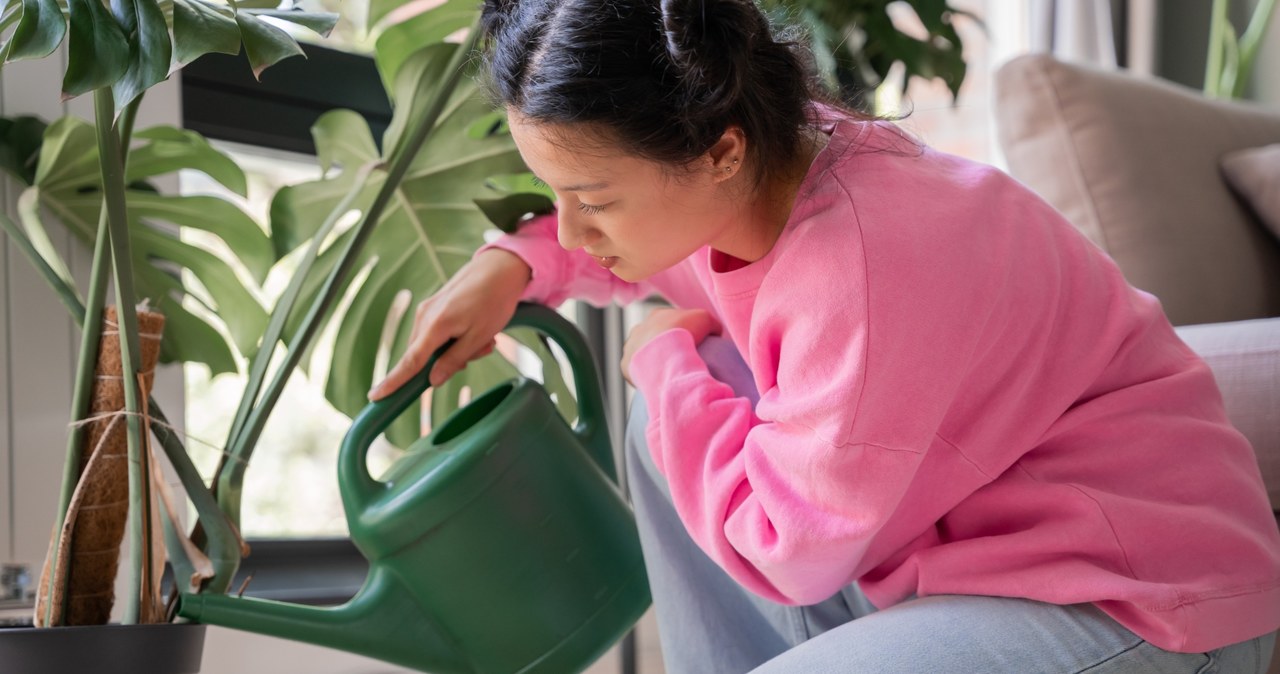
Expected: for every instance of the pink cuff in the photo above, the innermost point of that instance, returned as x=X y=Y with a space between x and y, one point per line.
x=670 y=355
x=530 y=243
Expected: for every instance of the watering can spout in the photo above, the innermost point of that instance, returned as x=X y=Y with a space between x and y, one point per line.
x=380 y=622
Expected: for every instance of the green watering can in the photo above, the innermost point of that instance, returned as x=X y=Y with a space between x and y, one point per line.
x=499 y=543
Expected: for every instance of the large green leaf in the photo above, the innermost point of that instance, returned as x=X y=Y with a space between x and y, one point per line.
x=170 y=149
x=69 y=152
x=69 y=188
x=201 y=28
x=97 y=49
x=265 y=44
x=518 y=195
x=38 y=235
x=150 y=49
x=321 y=23
x=400 y=41
x=39 y=32
x=379 y=9
x=430 y=228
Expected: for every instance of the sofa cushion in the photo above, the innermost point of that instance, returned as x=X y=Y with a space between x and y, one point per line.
x=1245 y=359
x=1255 y=175
x=1134 y=163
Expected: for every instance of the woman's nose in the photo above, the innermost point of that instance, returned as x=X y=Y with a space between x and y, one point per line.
x=572 y=233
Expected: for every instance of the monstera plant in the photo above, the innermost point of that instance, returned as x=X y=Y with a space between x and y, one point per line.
x=447 y=170
x=93 y=179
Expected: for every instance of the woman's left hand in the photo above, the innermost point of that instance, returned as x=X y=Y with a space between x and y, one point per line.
x=697 y=322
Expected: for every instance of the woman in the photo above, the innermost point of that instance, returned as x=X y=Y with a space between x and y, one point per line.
x=974 y=447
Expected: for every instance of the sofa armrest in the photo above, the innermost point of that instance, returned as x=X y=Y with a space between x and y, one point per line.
x=1245 y=359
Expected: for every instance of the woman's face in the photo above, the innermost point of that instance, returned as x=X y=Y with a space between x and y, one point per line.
x=634 y=217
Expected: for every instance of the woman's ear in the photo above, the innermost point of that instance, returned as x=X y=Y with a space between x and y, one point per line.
x=728 y=156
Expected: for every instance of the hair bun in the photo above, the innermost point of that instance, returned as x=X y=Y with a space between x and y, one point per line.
x=494 y=15
x=710 y=28
x=710 y=41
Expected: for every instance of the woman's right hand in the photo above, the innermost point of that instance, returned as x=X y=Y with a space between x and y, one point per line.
x=472 y=307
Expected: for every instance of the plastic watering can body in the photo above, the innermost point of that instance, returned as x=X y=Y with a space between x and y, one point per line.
x=498 y=543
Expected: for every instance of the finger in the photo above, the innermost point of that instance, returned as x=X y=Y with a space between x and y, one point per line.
x=414 y=359
x=457 y=357
x=707 y=324
x=418 y=319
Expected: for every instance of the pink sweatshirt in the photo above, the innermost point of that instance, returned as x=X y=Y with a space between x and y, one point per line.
x=959 y=395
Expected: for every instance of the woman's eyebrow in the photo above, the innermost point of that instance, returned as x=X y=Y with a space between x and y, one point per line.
x=587 y=187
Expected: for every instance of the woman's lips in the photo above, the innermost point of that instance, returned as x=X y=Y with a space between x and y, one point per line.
x=606 y=262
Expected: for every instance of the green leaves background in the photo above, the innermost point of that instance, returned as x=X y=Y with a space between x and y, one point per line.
x=430 y=229
x=855 y=42
x=66 y=184
x=135 y=44
x=466 y=176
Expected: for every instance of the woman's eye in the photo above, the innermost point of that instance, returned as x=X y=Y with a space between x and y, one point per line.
x=589 y=209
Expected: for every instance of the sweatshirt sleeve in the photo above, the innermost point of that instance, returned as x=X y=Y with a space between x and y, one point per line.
x=560 y=274
x=785 y=512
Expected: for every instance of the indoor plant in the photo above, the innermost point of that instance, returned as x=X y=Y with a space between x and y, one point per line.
x=83 y=174
x=70 y=180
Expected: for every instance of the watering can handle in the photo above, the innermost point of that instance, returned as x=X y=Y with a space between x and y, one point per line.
x=592 y=427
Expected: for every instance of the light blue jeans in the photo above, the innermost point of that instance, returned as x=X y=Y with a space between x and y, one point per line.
x=709 y=624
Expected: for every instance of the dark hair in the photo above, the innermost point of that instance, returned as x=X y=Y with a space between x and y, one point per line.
x=664 y=77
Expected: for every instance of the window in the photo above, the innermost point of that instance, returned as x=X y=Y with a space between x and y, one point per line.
x=290 y=488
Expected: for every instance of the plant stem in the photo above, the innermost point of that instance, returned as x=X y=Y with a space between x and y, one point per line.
x=111 y=167
x=282 y=310
x=230 y=477
x=224 y=542
x=89 y=318
x=1218 y=25
x=65 y=292
x=1251 y=41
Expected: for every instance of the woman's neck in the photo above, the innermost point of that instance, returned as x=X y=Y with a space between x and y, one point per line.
x=760 y=224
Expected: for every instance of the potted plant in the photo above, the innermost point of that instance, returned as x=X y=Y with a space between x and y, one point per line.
x=85 y=175
x=92 y=179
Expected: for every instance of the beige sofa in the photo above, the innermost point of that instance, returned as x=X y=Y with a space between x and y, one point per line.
x=1138 y=165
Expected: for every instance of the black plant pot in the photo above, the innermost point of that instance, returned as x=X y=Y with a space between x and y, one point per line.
x=102 y=649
